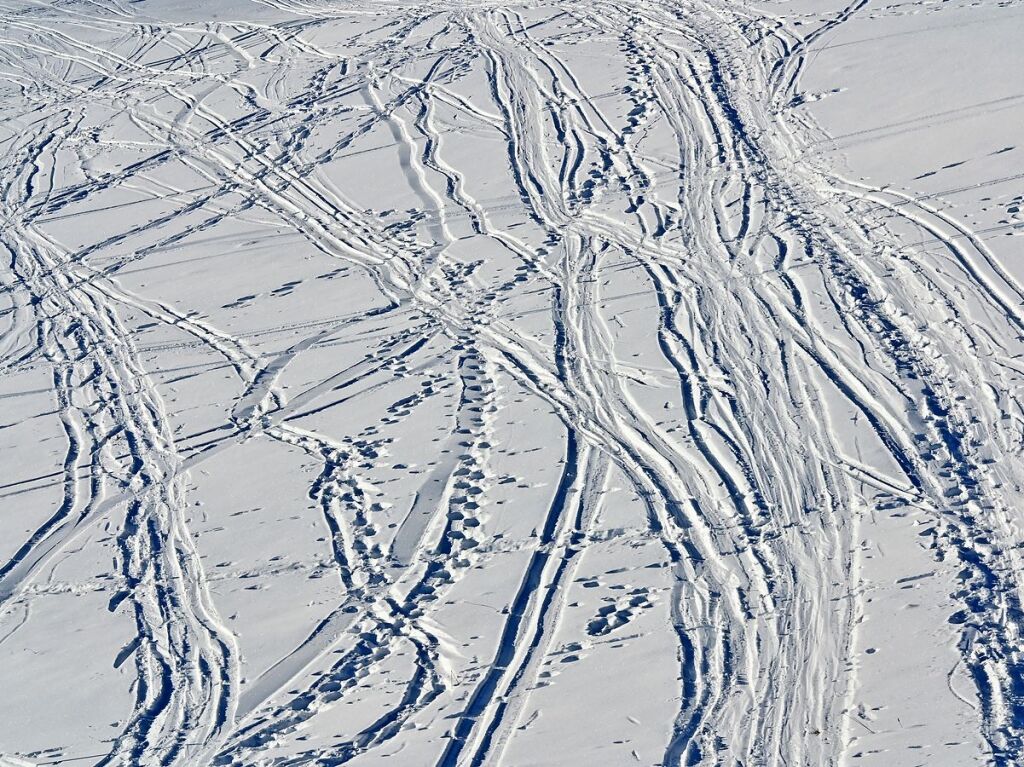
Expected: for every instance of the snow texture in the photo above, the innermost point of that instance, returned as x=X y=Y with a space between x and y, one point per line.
x=545 y=383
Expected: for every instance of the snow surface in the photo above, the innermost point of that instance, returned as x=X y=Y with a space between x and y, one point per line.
x=541 y=383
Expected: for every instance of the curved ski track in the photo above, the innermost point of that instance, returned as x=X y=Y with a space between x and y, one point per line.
x=777 y=286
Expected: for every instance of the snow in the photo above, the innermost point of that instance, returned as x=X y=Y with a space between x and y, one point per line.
x=539 y=383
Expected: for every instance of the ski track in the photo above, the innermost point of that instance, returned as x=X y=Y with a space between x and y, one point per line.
x=778 y=287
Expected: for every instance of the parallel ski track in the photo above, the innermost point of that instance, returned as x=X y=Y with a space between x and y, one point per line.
x=777 y=284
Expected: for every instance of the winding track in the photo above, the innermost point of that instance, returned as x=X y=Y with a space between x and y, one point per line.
x=777 y=287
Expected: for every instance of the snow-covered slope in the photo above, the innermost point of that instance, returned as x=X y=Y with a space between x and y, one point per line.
x=542 y=383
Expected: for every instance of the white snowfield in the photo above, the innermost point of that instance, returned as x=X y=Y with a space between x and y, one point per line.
x=550 y=383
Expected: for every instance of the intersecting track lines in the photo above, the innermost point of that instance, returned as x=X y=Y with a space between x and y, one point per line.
x=640 y=259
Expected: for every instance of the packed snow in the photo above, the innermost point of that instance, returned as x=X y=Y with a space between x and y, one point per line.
x=530 y=384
